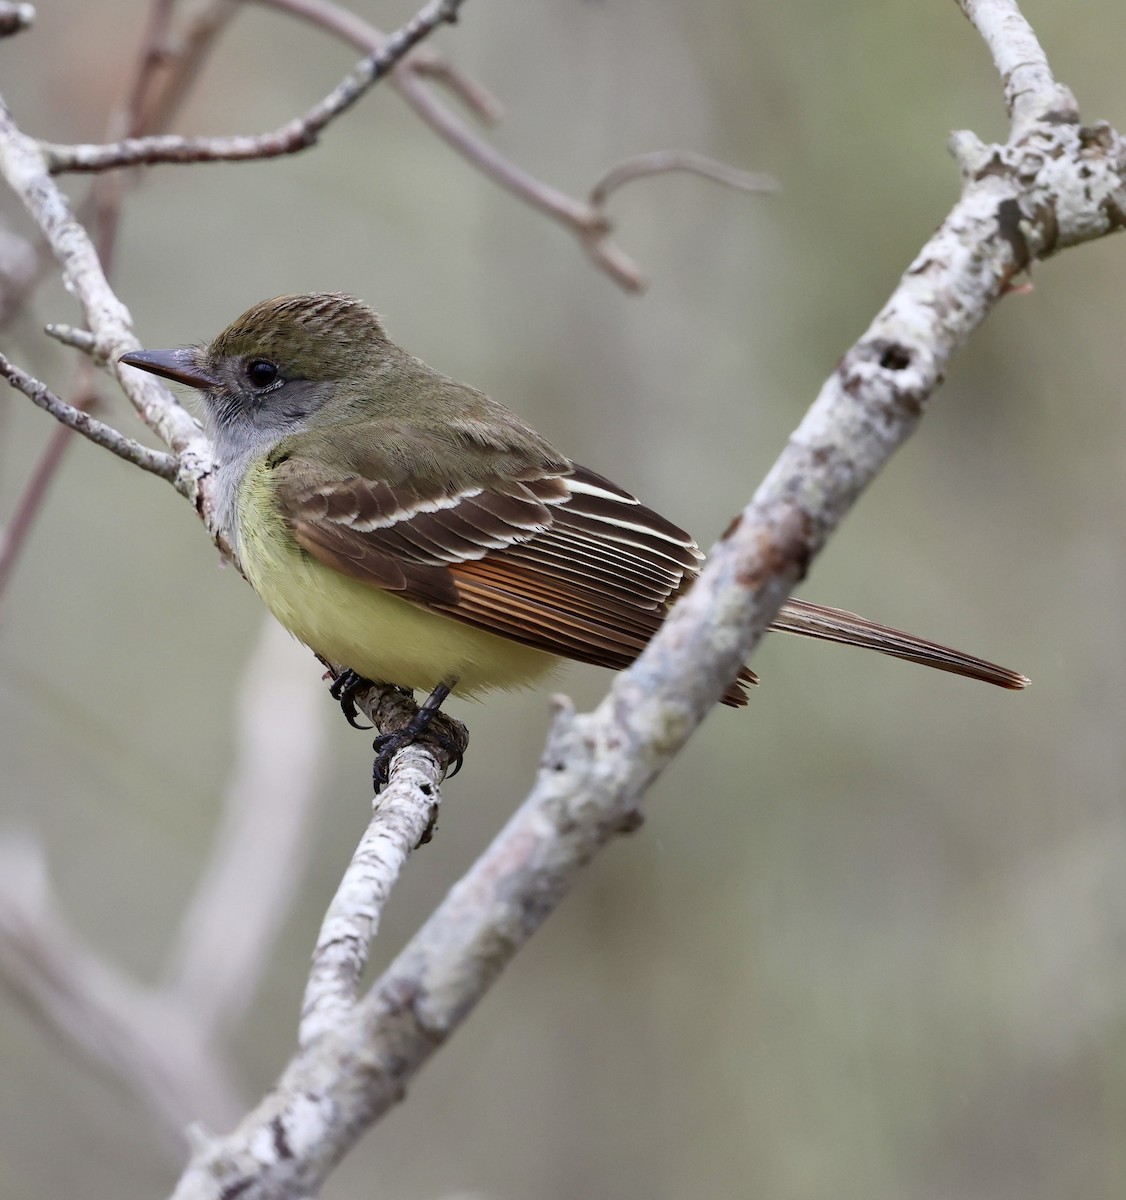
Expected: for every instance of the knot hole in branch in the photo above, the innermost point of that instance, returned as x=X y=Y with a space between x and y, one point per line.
x=894 y=357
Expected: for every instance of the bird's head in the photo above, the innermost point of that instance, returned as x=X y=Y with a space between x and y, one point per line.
x=279 y=363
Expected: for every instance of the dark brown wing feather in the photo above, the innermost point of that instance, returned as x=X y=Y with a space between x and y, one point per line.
x=568 y=563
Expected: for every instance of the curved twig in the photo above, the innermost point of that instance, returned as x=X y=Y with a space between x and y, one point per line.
x=661 y=162
x=423 y=60
x=289 y=138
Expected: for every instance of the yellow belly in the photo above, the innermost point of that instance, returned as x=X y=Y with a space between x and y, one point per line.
x=377 y=634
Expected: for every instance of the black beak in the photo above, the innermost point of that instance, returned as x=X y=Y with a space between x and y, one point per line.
x=182 y=366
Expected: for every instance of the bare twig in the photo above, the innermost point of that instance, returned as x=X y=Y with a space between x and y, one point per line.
x=290 y=138
x=71 y=335
x=154 y=53
x=164 y=94
x=24 y=168
x=157 y=462
x=590 y=225
x=660 y=162
x=183 y=58
x=104 y=202
x=423 y=60
x=106 y=193
x=586 y=222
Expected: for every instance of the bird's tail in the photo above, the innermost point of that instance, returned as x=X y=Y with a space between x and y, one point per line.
x=837 y=625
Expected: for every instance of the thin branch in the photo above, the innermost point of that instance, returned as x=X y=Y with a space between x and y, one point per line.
x=107 y=192
x=660 y=162
x=183 y=60
x=423 y=60
x=24 y=168
x=590 y=225
x=1031 y=92
x=438 y=69
x=157 y=462
x=164 y=96
x=105 y=202
x=294 y=136
x=402 y=815
x=152 y=56
x=586 y=222
x=71 y=335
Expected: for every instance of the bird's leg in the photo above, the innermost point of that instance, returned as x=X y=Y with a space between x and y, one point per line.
x=389 y=744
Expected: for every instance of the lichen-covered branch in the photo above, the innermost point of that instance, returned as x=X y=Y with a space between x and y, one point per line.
x=398 y=824
x=1030 y=89
x=25 y=170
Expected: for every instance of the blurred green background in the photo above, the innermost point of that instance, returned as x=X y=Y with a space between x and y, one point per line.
x=871 y=939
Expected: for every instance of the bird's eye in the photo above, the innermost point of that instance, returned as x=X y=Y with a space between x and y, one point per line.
x=261 y=372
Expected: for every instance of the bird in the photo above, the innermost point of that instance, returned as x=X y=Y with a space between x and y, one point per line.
x=410 y=528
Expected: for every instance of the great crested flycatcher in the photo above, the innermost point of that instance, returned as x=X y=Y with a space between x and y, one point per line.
x=410 y=527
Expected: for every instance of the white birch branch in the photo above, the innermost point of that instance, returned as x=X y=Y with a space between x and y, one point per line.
x=1030 y=90
x=25 y=170
x=398 y=824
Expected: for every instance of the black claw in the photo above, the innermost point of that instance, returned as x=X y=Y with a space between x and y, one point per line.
x=344 y=689
x=386 y=747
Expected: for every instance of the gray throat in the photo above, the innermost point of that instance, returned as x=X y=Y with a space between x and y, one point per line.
x=235 y=455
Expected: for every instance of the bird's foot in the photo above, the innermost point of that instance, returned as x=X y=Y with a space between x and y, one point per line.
x=428 y=726
x=344 y=690
x=449 y=743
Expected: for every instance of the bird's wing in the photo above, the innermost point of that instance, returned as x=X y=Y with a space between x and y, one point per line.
x=566 y=562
